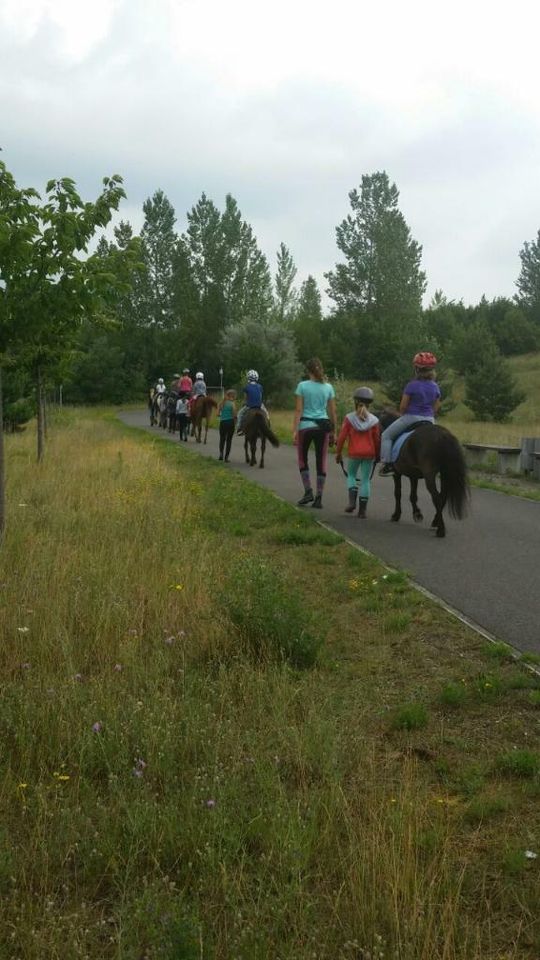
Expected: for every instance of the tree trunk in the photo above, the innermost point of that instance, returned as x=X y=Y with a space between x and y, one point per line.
x=2 y=470
x=40 y=417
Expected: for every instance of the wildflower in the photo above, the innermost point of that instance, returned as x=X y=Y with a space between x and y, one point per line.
x=210 y=803
x=78 y=677
x=22 y=786
x=181 y=633
x=385 y=576
x=531 y=855
x=353 y=584
x=63 y=777
x=374 y=582
x=137 y=773
x=25 y=666
x=97 y=727
x=118 y=667
x=169 y=641
x=23 y=629
x=179 y=586
x=140 y=764
x=23 y=504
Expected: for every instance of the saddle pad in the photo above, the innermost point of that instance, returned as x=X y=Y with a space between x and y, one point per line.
x=397 y=445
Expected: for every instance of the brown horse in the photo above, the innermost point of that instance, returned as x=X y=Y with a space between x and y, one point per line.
x=256 y=426
x=201 y=410
x=430 y=451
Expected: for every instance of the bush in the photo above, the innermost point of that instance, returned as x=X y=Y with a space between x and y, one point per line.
x=270 y=349
x=412 y=716
x=519 y=763
x=269 y=617
x=491 y=390
x=18 y=413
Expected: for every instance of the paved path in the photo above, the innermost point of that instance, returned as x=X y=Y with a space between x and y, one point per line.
x=487 y=567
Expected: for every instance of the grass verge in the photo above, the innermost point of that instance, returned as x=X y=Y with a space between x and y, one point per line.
x=223 y=736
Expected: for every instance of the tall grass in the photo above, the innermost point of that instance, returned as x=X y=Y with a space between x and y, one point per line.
x=167 y=794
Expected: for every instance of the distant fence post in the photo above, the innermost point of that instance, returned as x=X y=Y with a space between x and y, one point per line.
x=529 y=446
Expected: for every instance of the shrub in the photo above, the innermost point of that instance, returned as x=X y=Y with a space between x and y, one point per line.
x=269 y=616
x=491 y=390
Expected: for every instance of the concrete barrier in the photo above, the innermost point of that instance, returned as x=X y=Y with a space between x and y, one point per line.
x=493 y=456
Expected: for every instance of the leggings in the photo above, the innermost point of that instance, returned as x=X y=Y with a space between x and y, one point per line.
x=226 y=432
x=320 y=442
x=365 y=475
x=183 y=425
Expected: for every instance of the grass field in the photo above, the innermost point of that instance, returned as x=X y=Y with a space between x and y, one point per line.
x=225 y=734
x=525 y=422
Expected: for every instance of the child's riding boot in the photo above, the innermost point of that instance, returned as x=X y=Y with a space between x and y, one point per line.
x=353 y=493
x=307 y=498
x=362 y=504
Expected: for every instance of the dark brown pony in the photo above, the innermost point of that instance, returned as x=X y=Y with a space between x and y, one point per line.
x=430 y=451
x=255 y=427
x=201 y=410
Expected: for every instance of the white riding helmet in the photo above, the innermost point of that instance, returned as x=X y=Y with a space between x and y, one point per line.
x=161 y=380
x=185 y=370
x=199 y=376
x=252 y=375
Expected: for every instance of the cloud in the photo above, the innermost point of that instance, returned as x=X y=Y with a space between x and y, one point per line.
x=286 y=106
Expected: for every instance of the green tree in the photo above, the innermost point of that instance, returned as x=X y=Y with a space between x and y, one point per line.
x=491 y=391
x=48 y=283
x=528 y=282
x=381 y=275
x=307 y=324
x=285 y=297
x=158 y=245
x=267 y=347
x=471 y=346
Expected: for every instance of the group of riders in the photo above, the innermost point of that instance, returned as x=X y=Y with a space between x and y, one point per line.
x=315 y=422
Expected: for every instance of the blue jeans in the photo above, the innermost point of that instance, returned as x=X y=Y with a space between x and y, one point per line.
x=394 y=430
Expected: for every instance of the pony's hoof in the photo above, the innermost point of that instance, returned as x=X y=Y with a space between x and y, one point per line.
x=440 y=533
x=418 y=517
x=394 y=518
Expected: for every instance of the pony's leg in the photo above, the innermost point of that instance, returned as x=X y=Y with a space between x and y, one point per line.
x=397 y=497
x=253 y=445
x=246 y=449
x=263 y=448
x=206 y=431
x=438 y=503
x=416 y=512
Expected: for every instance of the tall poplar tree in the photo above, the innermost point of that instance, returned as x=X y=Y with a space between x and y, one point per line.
x=158 y=246
x=285 y=296
x=528 y=282
x=307 y=324
x=381 y=275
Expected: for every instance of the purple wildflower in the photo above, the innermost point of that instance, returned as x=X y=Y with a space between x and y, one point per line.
x=210 y=804
x=97 y=727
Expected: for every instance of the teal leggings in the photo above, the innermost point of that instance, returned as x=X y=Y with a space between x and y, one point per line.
x=365 y=472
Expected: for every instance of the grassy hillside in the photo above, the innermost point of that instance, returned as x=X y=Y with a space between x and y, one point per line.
x=227 y=734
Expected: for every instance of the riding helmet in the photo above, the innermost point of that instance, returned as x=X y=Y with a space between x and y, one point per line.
x=425 y=360
x=199 y=376
x=161 y=380
x=185 y=370
x=252 y=375
x=363 y=393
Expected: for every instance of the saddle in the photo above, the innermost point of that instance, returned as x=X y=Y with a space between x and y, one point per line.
x=403 y=437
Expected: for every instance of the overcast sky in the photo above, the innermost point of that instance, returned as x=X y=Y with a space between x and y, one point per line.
x=285 y=105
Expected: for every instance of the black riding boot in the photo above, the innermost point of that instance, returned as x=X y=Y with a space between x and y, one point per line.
x=362 y=504
x=307 y=498
x=353 y=493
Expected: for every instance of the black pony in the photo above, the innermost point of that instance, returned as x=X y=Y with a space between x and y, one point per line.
x=256 y=426
x=431 y=450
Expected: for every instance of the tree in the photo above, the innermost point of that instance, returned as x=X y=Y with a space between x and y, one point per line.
x=158 y=245
x=267 y=347
x=491 y=390
x=307 y=324
x=47 y=288
x=471 y=347
x=528 y=282
x=285 y=295
x=381 y=276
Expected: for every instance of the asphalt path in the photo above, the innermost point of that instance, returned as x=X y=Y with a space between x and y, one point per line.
x=486 y=568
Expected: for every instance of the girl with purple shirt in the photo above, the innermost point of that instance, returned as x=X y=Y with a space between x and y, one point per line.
x=421 y=400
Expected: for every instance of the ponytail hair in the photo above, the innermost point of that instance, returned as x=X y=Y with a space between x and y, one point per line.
x=315 y=368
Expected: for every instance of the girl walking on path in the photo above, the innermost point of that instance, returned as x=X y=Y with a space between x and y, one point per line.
x=420 y=400
x=227 y=418
x=361 y=432
x=314 y=422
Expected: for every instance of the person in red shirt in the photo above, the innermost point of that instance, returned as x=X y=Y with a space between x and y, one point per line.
x=361 y=432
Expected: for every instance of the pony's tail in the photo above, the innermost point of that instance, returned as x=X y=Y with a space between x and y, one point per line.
x=454 y=474
x=269 y=434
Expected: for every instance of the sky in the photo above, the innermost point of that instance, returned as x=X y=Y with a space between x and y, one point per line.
x=286 y=105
